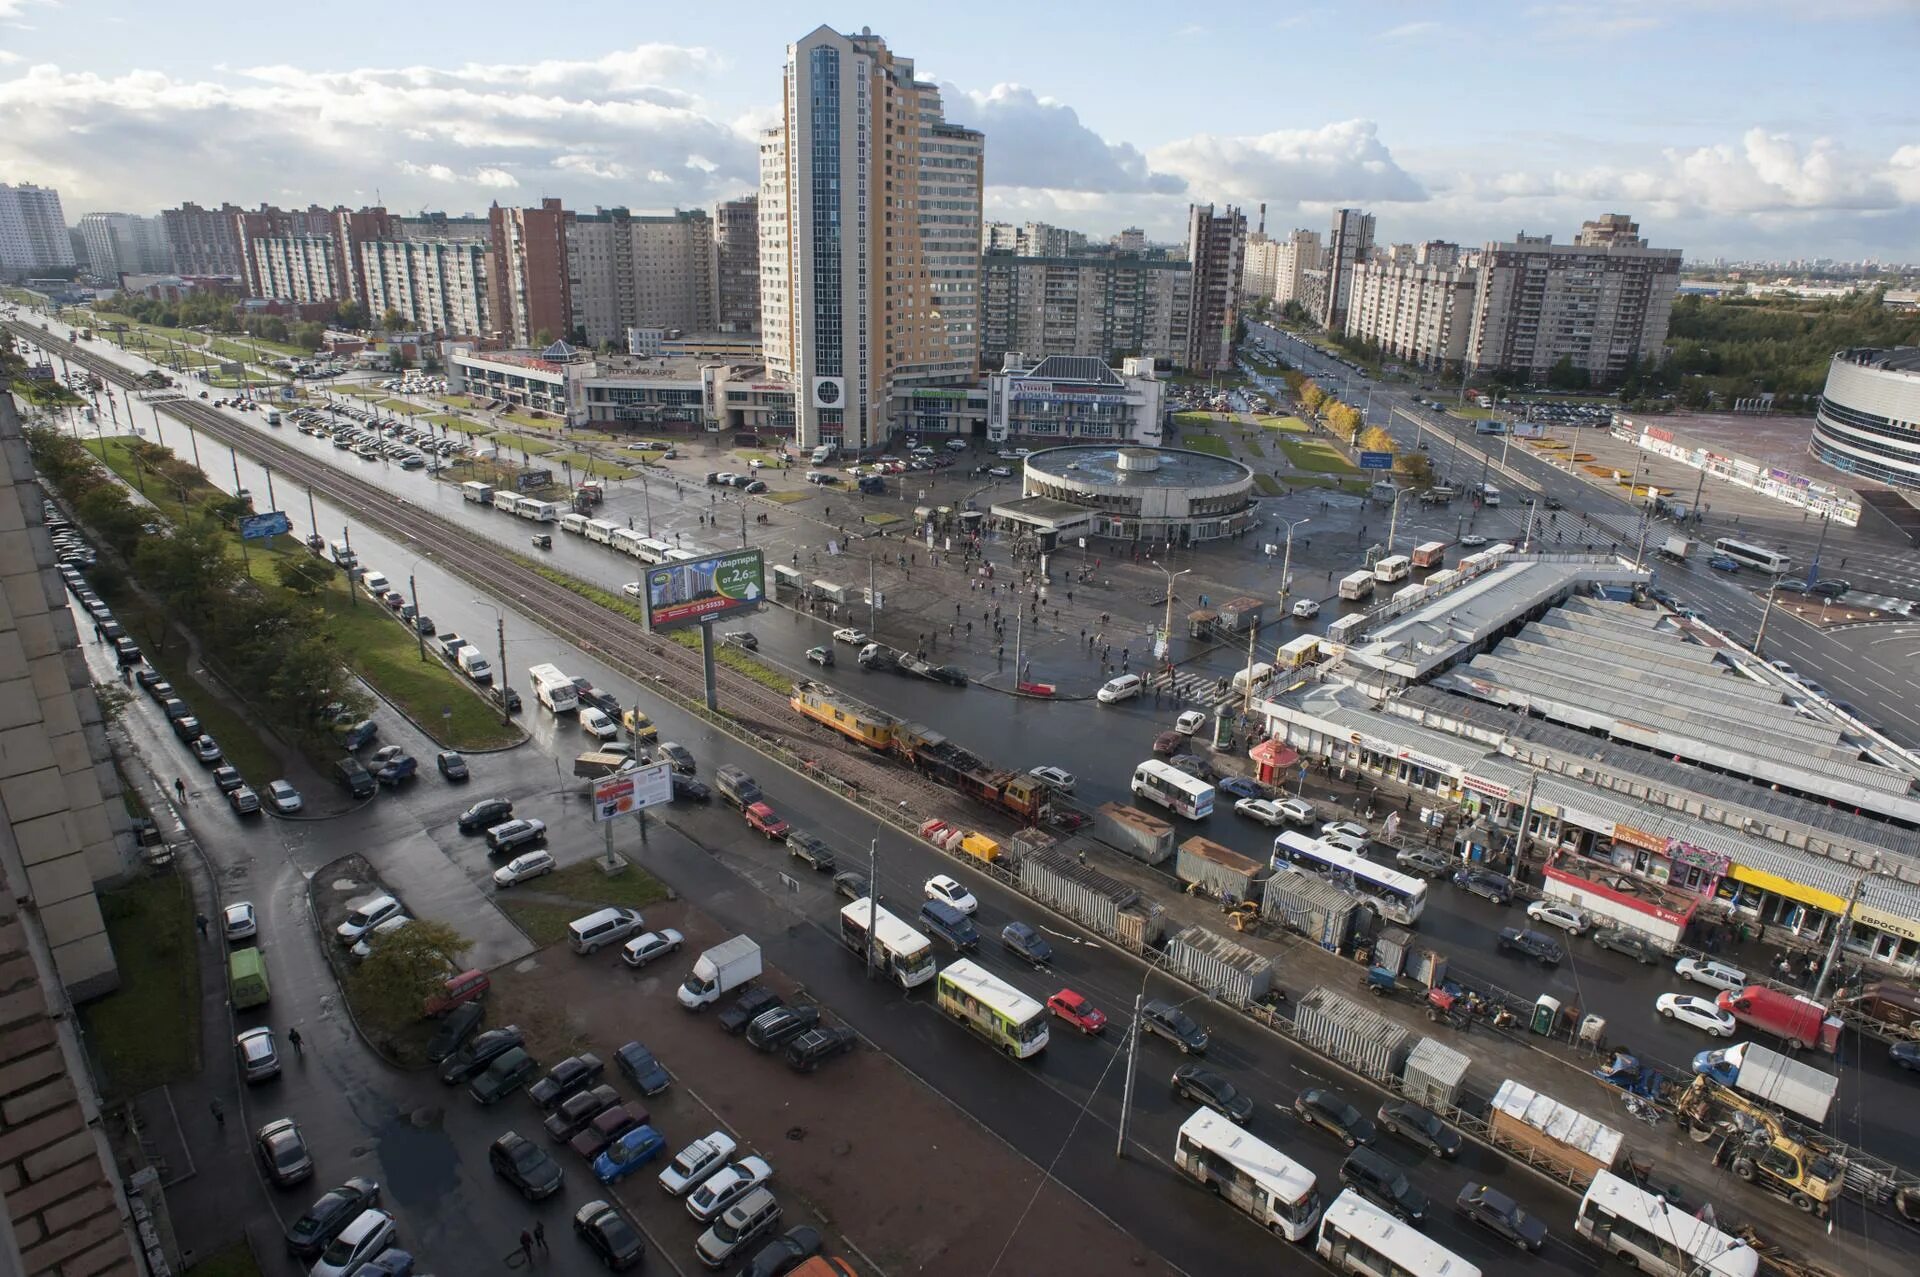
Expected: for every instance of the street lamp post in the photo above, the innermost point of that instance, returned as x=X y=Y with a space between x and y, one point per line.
x=1393 y=519
x=1765 y=613
x=1286 y=564
x=1167 y=626
x=500 y=624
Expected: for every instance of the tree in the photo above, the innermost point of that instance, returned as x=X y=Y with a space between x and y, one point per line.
x=104 y=508
x=352 y=315
x=305 y=676
x=302 y=574
x=1416 y=466
x=1374 y=439
x=1564 y=376
x=393 y=321
x=1343 y=420
x=408 y=965
x=543 y=339
x=190 y=569
x=1311 y=396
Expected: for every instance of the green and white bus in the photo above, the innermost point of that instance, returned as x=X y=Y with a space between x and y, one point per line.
x=992 y=1008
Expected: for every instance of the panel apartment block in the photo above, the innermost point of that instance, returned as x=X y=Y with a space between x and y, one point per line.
x=1102 y=307
x=439 y=285
x=1415 y=304
x=736 y=265
x=205 y=241
x=639 y=271
x=528 y=296
x=33 y=230
x=1216 y=245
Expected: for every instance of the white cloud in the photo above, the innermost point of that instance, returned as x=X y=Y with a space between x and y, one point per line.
x=1034 y=141
x=495 y=179
x=1409 y=30
x=1344 y=162
x=8 y=56
x=15 y=8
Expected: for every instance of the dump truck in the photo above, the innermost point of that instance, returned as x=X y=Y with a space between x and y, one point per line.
x=725 y=967
x=1770 y=1078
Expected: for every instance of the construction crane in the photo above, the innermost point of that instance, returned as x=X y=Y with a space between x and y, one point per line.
x=1756 y=1147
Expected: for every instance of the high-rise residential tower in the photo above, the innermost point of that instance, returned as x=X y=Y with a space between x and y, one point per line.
x=1216 y=247
x=736 y=264
x=33 y=230
x=1349 y=244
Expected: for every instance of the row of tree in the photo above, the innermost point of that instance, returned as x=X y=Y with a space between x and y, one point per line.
x=1343 y=420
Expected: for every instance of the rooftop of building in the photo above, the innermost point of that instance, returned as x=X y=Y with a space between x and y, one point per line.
x=1904 y=359
x=1085 y=370
x=1110 y=466
x=668 y=367
x=1104 y=255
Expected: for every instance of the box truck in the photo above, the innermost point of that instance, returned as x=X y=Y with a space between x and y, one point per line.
x=1677 y=548
x=1799 y=1021
x=1771 y=1078
x=725 y=967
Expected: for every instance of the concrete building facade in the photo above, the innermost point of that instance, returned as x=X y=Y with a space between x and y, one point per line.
x=528 y=292
x=1105 y=306
x=1349 y=244
x=1416 y=304
x=1216 y=247
x=439 y=285
x=1075 y=399
x=629 y=271
x=204 y=241
x=736 y=265
x=33 y=231
x=125 y=244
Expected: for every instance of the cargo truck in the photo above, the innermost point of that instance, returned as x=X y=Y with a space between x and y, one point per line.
x=1356 y=586
x=1771 y=1078
x=1889 y=1003
x=1677 y=548
x=719 y=970
x=1799 y=1021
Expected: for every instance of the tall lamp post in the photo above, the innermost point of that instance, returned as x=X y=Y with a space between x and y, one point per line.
x=500 y=625
x=1286 y=564
x=1167 y=625
x=1393 y=519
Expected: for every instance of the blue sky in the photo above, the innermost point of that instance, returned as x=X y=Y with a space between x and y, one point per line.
x=1735 y=127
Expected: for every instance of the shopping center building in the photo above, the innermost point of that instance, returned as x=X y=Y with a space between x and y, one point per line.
x=1153 y=495
x=1869 y=418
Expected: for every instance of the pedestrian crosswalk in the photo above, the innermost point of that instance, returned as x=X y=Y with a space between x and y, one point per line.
x=1202 y=690
x=1877 y=602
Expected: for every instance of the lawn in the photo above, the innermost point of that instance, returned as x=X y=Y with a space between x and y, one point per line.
x=1293 y=425
x=587 y=889
x=1213 y=445
x=1470 y=412
x=525 y=443
x=527 y=419
x=452 y=422
x=1197 y=420
x=235 y=1261
x=884 y=520
x=147 y=1032
x=591 y=466
x=785 y=498
x=1268 y=485
x=1313 y=455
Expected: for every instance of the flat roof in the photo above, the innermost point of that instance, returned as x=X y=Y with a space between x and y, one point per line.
x=1100 y=465
x=1043 y=511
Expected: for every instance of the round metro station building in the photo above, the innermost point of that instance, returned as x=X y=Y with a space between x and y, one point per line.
x=1159 y=495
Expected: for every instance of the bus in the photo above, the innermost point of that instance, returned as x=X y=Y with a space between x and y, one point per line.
x=1399 y=897
x=600 y=531
x=507 y=502
x=898 y=949
x=1275 y=1190
x=574 y=523
x=555 y=690
x=652 y=550
x=1358 y=1237
x=1173 y=789
x=998 y=1012
x=1752 y=556
x=1489 y=495
x=1658 y=1238
x=626 y=540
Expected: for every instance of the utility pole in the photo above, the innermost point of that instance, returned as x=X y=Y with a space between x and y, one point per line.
x=1766 y=614
x=646 y=490
x=272 y=502
x=1813 y=568
x=743 y=523
x=313 y=520
x=346 y=539
x=1019 y=618
x=1699 y=488
x=873 y=897
x=1526 y=817
x=1246 y=701
x=506 y=714
x=873 y=606
x=1126 y=1094
x=1841 y=927
x=421 y=634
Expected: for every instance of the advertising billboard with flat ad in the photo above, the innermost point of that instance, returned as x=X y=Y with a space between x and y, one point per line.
x=709 y=589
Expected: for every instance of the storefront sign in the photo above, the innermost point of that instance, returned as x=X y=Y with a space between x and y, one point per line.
x=1791 y=890
x=1685 y=853
x=1486 y=787
x=1892 y=924
x=1639 y=838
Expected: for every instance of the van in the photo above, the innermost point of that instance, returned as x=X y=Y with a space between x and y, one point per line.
x=464 y=987
x=354 y=776
x=247 y=985
x=950 y=925
x=1256 y=677
x=514 y=834
x=1124 y=688
x=343 y=554
x=602 y=928
x=740 y=1224
x=376 y=584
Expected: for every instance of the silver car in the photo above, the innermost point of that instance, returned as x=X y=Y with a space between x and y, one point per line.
x=259 y=1056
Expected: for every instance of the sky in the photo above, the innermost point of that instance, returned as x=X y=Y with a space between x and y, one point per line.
x=1735 y=128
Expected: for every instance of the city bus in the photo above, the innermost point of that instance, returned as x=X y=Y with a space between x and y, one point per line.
x=1752 y=556
x=1276 y=1191
x=652 y=551
x=898 y=949
x=1358 y=1237
x=1658 y=1238
x=1173 y=789
x=969 y=994
x=1399 y=897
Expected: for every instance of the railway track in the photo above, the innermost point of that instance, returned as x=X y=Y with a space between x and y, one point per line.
x=648 y=662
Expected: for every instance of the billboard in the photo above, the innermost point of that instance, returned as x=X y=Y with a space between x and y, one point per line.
x=1376 y=461
x=633 y=790
x=708 y=589
x=258 y=527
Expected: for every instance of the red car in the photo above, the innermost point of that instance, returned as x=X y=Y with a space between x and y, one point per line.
x=1168 y=743
x=1077 y=1011
x=764 y=819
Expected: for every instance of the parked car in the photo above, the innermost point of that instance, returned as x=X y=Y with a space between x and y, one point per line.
x=240 y=921
x=1700 y=1013
x=726 y=1186
x=687 y=789
x=1501 y=1215
x=1715 y=975
x=452 y=765
x=1332 y=1113
x=816 y=1046
x=1176 y=1026
x=284 y=798
x=510 y=1071
x=751 y=1003
x=575 y=1113
x=259 y=1057
x=1203 y=1086
x=525 y=1165
x=364 y=916
x=455 y=1028
x=1075 y=1009
x=774 y=1028
x=283 y=1152
x=1485 y=883
x=628 y=1154
x=764 y=820
x=610 y=1235
x=226 y=778
x=1564 y=916
x=648 y=945
x=640 y=1067
x=1538 y=945
x=518 y=870
x=485 y=814
x=309 y=1235
x=608 y=1127
x=476 y=1055
x=564 y=1078
x=785 y=1253
x=366 y=1238
x=1631 y=943
x=692 y=1164
x=813 y=850
x=1419 y=1126
x=850 y=883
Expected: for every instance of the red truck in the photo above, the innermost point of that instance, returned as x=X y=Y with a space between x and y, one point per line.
x=1801 y=1022
x=762 y=818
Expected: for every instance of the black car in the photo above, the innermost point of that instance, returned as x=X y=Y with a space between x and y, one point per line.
x=1204 y=1086
x=1501 y=1216
x=1194 y=766
x=816 y=1046
x=563 y=1079
x=751 y=1002
x=452 y=765
x=455 y=1030
x=590 y=695
x=485 y=814
x=952 y=675
x=1332 y=1113
x=1486 y=884
x=525 y=1165
x=811 y=849
x=575 y=1113
x=614 y=1241
x=1175 y=1025
x=1830 y=587
x=642 y=1068
x=687 y=789
x=309 y=1235
x=1419 y=1126
x=784 y=1253
x=773 y=1029
x=477 y=1054
x=1635 y=946
x=1906 y=1055
x=850 y=883
x=1539 y=946
x=1023 y=941
x=146 y=676
x=1381 y=1181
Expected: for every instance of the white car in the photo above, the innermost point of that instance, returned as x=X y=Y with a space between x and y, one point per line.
x=856 y=637
x=1348 y=829
x=1306 y=609
x=633 y=589
x=1053 y=778
x=726 y=1186
x=948 y=889
x=1473 y=538
x=1716 y=975
x=1699 y=1012
x=1189 y=722
x=596 y=724
x=1264 y=810
x=521 y=868
x=364 y=916
x=695 y=1162
x=1297 y=810
x=1566 y=917
x=364 y=949
x=241 y=921
x=644 y=948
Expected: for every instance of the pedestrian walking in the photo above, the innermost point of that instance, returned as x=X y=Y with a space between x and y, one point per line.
x=540 y=1235
x=200 y=921
x=180 y=788
x=219 y=1112
x=526 y=1247
x=298 y=1042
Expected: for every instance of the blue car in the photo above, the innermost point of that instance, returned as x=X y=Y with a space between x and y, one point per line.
x=628 y=1154
x=1240 y=787
x=1723 y=563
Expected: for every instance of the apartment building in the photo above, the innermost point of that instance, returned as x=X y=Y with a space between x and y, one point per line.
x=205 y=241
x=1032 y=239
x=736 y=265
x=1602 y=302
x=440 y=285
x=627 y=270
x=1216 y=248
x=124 y=244
x=310 y=255
x=1349 y=243
x=1101 y=306
x=1131 y=239
x=870 y=234
x=1415 y=303
x=528 y=296
x=33 y=231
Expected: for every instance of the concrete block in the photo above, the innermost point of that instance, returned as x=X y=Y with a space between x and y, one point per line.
x=47 y=838
x=19 y=705
x=34 y=794
x=54 y=881
x=72 y=919
x=28 y=749
x=26 y=592
x=38 y=635
x=13 y=657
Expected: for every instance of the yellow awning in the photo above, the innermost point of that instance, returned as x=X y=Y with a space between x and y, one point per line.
x=1791 y=890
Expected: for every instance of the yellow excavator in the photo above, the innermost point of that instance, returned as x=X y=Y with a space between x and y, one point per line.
x=1757 y=1148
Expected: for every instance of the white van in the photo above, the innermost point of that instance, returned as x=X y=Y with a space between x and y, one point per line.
x=1124 y=688
x=607 y=926
x=1257 y=677
x=376 y=584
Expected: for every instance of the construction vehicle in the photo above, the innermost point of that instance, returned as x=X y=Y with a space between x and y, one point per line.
x=1755 y=1145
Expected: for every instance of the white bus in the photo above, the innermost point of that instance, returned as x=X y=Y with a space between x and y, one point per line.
x=600 y=530
x=574 y=523
x=1392 y=568
x=626 y=540
x=1275 y=1190
x=1358 y=1237
x=478 y=493
x=898 y=949
x=1752 y=556
x=652 y=551
x=1399 y=897
x=507 y=502
x=1657 y=1238
x=685 y=556
x=555 y=690
x=1489 y=495
x=537 y=510
x=1173 y=789
x=991 y=1007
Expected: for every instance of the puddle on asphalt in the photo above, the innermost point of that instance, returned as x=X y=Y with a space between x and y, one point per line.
x=418 y=1162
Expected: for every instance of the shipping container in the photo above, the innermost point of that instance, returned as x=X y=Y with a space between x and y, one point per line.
x=1545 y=1130
x=1391 y=950
x=1056 y=878
x=1311 y=905
x=1220 y=871
x=1134 y=832
x=1356 y=1035
x=1141 y=924
x=1434 y=1074
x=1356 y=586
x=1226 y=970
